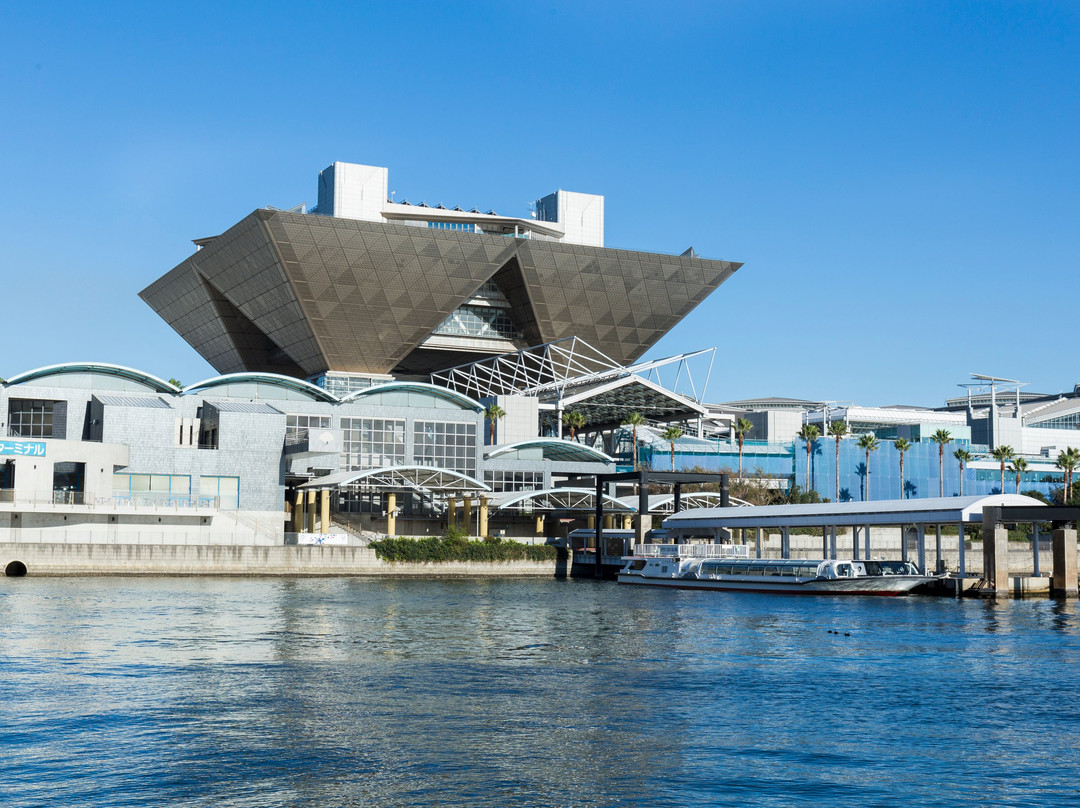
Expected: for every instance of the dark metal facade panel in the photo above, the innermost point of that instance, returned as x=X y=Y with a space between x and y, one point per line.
x=301 y=294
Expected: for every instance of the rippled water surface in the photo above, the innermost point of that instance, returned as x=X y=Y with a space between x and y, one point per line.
x=328 y=692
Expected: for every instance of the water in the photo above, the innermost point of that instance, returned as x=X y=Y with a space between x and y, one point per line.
x=335 y=692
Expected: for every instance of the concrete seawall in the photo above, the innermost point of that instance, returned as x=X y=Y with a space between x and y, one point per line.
x=136 y=559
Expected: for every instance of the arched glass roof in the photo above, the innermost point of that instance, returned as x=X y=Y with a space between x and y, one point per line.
x=405 y=393
x=553 y=449
x=127 y=374
x=286 y=384
x=396 y=478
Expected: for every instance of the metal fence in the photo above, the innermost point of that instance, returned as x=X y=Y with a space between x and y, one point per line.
x=693 y=550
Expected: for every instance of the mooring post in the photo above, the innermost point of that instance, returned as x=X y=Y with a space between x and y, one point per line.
x=921 y=547
x=855 y=542
x=1063 y=584
x=939 y=565
x=785 y=542
x=832 y=542
x=598 y=570
x=824 y=542
x=995 y=540
x=903 y=542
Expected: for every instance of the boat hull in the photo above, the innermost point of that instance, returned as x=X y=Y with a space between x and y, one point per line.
x=884 y=586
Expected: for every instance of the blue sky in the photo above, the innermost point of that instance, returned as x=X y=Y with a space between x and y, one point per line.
x=901 y=180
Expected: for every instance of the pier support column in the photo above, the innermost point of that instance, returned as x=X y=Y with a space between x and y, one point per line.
x=1063 y=584
x=324 y=511
x=785 y=542
x=391 y=520
x=757 y=541
x=298 y=513
x=996 y=553
x=903 y=542
x=939 y=564
x=451 y=513
x=921 y=548
x=1035 y=550
x=824 y=542
x=310 y=511
x=832 y=542
x=467 y=517
x=961 y=549
x=483 y=516
x=855 y=542
x=866 y=539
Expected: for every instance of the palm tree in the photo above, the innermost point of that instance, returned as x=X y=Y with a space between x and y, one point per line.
x=173 y=382
x=868 y=443
x=574 y=420
x=740 y=428
x=810 y=434
x=1002 y=454
x=1018 y=467
x=1067 y=461
x=941 y=437
x=493 y=412
x=672 y=434
x=901 y=446
x=963 y=456
x=837 y=429
x=634 y=420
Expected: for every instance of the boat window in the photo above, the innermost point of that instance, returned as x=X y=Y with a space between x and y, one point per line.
x=807 y=571
x=789 y=570
x=844 y=571
x=755 y=569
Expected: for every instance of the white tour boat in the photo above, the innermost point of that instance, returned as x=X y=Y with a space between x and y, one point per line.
x=795 y=576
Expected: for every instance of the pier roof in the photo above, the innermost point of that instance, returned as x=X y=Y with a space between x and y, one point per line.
x=930 y=511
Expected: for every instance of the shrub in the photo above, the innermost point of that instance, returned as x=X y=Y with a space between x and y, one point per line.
x=455 y=547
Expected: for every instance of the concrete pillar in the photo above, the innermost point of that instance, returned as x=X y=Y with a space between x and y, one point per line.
x=539 y=524
x=855 y=542
x=391 y=520
x=996 y=553
x=324 y=511
x=1063 y=584
x=467 y=508
x=627 y=521
x=866 y=539
x=824 y=542
x=922 y=548
x=961 y=549
x=609 y=521
x=903 y=542
x=757 y=541
x=785 y=542
x=451 y=513
x=310 y=510
x=298 y=513
x=832 y=542
x=939 y=564
x=483 y=516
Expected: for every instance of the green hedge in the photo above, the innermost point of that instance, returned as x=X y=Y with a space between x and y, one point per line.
x=459 y=549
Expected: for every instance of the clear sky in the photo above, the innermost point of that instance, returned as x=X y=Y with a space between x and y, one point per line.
x=901 y=180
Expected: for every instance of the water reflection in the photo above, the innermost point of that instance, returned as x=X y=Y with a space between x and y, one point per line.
x=351 y=691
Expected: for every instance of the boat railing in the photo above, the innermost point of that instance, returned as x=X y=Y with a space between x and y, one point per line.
x=693 y=550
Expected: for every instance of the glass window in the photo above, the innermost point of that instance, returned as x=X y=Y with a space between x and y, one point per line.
x=297 y=424
x=514 y=480
x=371 y=443
x=447 y=445
x=29 y=418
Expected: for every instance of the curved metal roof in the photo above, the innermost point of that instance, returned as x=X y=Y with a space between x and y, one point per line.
x=930 y=511
x=272 y=379
x=558 y=499
x=554 y=449
x=100 y=368
x=396 y=478
x=454 y=397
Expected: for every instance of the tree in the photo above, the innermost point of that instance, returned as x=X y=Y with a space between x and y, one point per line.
x=1018 y=467
x=493 y=412
x=941 y=437
x=901 y=446
x=1067 y=461
x=740 y=428
x=634 y=420
x=837 y=429
x=1003 y=454
x=963 y=456
x=672 y=434
x=868 y=443
x=809 y=433
x=173 y=382
x=574 y=420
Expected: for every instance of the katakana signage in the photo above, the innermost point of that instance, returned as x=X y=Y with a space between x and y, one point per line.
x=26 y=448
